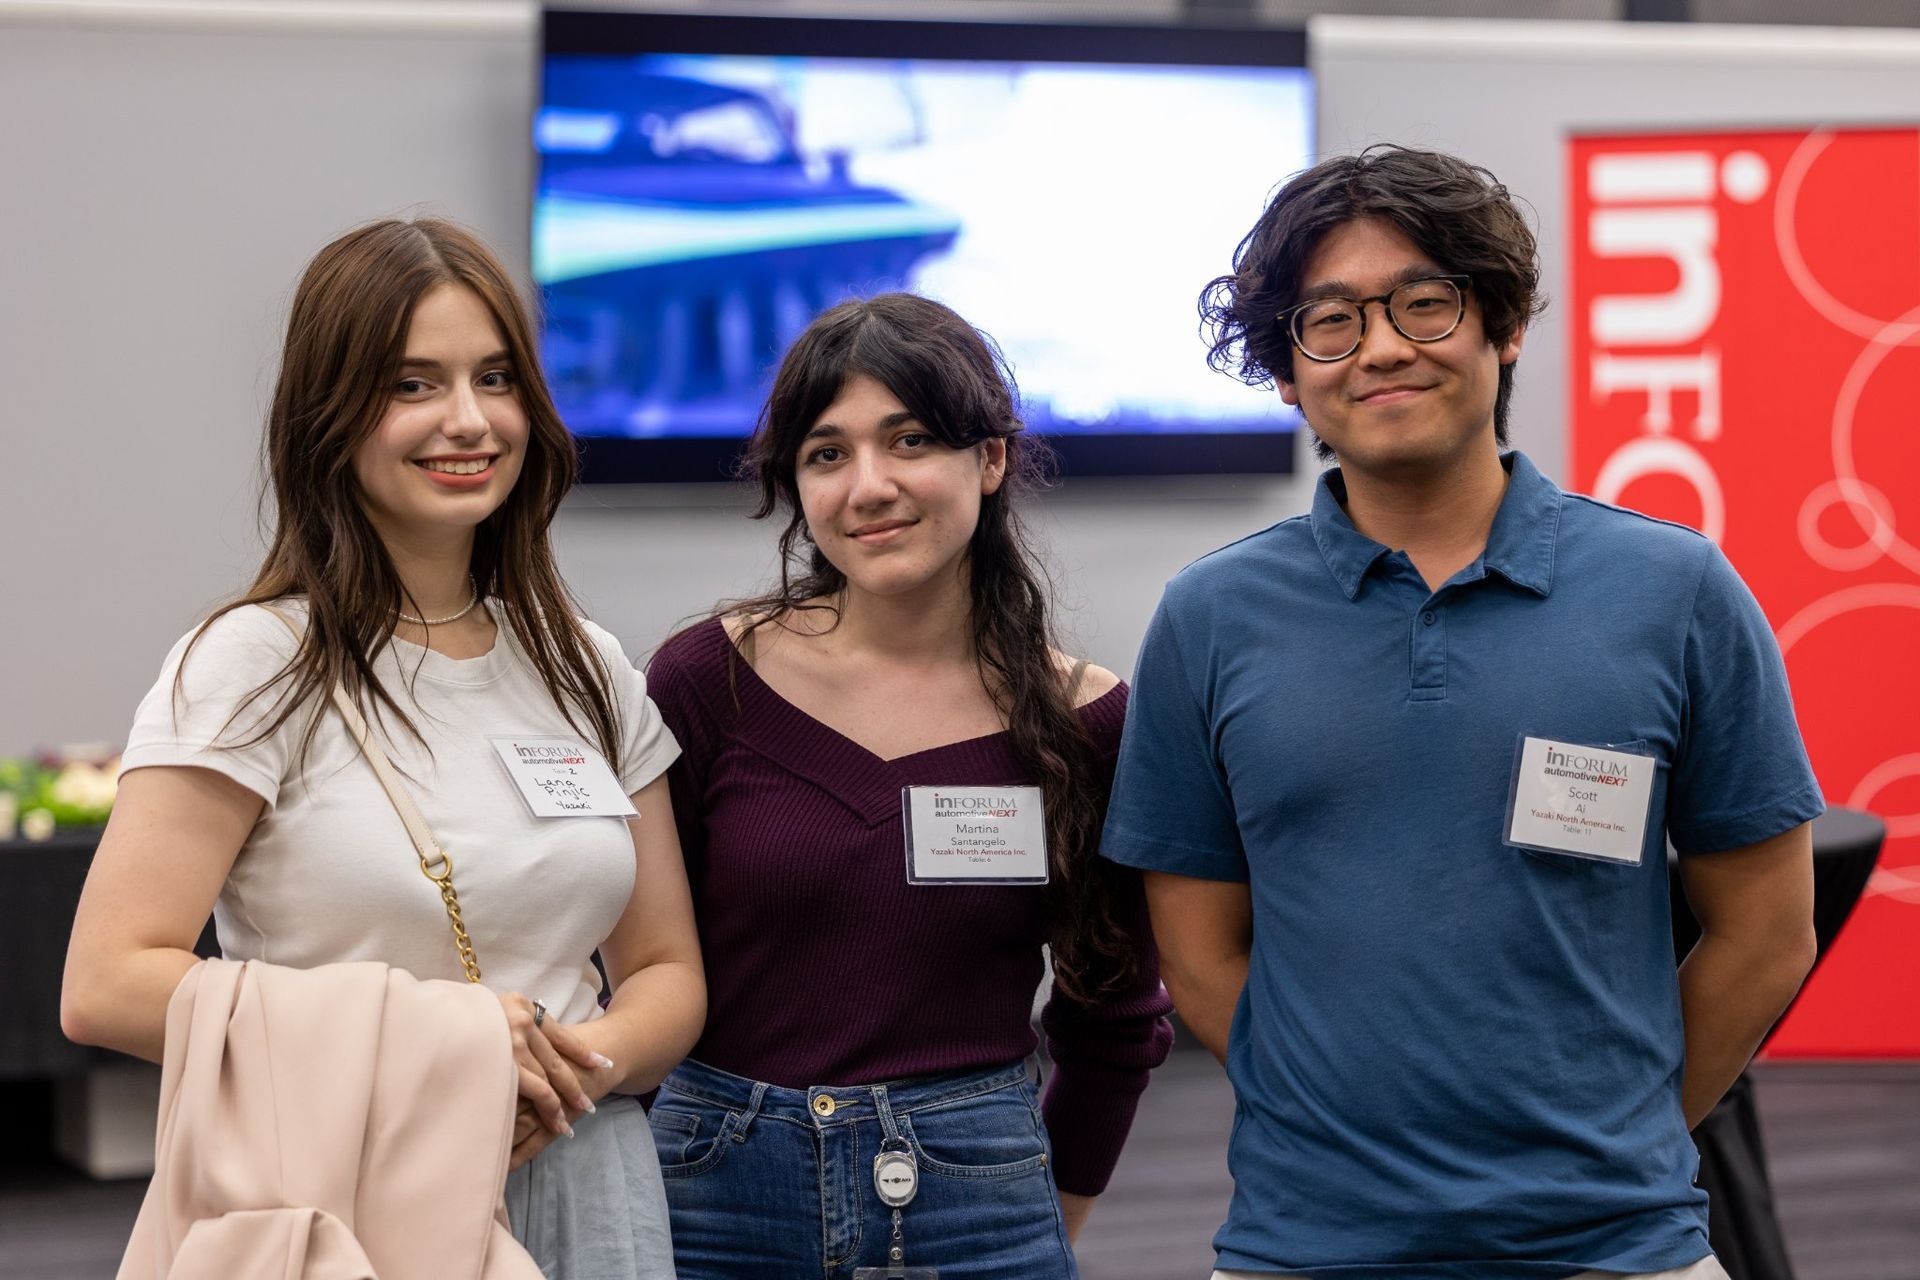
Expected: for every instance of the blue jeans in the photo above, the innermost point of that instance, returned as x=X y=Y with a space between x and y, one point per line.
x=766 y=1183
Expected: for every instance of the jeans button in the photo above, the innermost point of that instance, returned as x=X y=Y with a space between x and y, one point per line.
x=823 y=1106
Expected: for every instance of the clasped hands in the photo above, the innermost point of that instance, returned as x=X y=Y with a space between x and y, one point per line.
x=560 y=1077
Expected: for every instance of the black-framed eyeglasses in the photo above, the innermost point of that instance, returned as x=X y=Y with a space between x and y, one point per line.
x=1423 y=310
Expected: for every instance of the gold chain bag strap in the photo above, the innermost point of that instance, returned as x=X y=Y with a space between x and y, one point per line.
x=435 y=865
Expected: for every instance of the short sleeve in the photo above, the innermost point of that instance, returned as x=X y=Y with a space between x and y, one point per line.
x=1740 y=774
x=647 y=746
x=225 y=698
x=1171 y=809
x=674 y=687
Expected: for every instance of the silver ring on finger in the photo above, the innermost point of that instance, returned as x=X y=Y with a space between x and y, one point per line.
x=539 y=1013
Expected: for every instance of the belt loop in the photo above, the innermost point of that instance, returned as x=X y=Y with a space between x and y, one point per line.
x=753 y=1109
x=888 y=1129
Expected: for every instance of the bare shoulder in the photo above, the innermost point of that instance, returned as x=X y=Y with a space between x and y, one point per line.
x=738 y=624
x=1096 y=682
x=755 y=631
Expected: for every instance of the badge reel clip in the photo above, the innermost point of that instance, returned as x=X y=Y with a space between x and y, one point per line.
x=896 y=1177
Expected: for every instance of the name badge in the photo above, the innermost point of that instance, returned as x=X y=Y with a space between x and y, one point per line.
x=563 y=778
x=975 y=835
x=1590 y=802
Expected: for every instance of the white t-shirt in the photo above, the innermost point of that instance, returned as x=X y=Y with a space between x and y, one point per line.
x=328 y=873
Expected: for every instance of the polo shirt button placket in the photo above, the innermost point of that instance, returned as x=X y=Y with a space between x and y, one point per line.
x=1427 y=681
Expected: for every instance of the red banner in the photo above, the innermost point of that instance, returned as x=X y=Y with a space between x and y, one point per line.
x=1745 y=313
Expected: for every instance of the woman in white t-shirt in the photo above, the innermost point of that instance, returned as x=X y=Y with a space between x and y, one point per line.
x=416 y=462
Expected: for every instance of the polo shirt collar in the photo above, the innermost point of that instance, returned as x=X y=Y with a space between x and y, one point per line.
x=1349 y=553
x=1519 y=547
x=1526 y=528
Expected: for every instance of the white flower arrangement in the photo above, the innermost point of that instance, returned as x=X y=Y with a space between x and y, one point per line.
x=75 y=788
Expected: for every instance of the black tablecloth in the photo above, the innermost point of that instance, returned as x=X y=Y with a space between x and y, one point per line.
x=39 y=889
x=1743 y=1223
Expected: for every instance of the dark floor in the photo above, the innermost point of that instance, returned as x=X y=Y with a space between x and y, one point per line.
x=1844 y=1143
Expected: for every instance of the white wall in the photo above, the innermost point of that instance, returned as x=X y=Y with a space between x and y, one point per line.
x=165 y=171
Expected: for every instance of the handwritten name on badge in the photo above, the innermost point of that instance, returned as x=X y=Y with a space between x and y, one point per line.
x=975 y=835
x=563 y=778
x=1587 y=801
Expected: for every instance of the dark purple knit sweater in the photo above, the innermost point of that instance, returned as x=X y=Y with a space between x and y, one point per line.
x=824 y=966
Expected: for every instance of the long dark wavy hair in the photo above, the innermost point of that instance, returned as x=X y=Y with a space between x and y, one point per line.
x=346 y=337
x=1456 y=213
x=955 y=382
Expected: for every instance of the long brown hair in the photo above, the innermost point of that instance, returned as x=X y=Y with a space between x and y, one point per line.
x=956 y=384
x=346 y=337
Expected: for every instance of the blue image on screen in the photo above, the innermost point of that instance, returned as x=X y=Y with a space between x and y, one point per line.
x=695 y=212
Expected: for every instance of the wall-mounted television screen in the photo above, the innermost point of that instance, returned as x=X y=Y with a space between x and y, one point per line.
x=707 y=185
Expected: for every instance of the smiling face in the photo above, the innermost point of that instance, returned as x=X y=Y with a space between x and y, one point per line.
x=449 y=446
x=889 y=505
x=1395 y=406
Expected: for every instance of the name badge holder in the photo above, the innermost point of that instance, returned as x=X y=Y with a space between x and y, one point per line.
x=562 y=778
x=974 y=835
x=1581 y=800
x=896 y=1180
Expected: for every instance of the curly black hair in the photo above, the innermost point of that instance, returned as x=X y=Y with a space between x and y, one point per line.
x=1457 y=213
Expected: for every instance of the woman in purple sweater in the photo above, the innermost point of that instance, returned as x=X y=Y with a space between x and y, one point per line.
x=861 y=1084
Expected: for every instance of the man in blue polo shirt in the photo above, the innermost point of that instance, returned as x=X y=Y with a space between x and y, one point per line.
x=1403 y=772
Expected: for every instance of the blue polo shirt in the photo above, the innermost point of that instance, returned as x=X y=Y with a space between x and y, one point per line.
x=1453 y=1058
